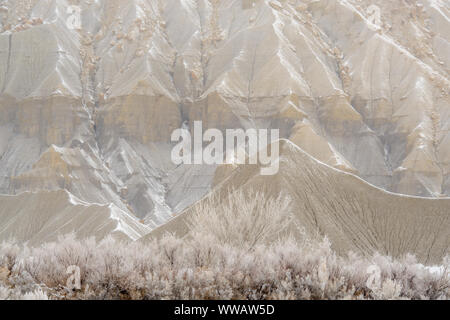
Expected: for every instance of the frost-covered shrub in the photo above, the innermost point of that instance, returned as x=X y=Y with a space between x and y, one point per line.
x=200 y=268
x=242 y=219
x=8 y=293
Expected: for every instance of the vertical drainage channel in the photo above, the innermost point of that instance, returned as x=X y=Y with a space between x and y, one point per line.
x=8 y=62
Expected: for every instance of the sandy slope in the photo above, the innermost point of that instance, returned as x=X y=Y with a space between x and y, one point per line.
x=351 y=213
x=36 y=218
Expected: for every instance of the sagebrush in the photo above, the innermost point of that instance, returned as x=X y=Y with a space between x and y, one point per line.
x=218 y=261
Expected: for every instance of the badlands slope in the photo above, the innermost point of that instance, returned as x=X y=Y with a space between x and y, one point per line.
x=41 y=217
x=90 y=110
x=352 y=214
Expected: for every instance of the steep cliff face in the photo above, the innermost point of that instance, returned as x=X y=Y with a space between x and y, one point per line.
x=90 y=92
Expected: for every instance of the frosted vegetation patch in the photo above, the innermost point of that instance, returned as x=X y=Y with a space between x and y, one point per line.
x=233 y=252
